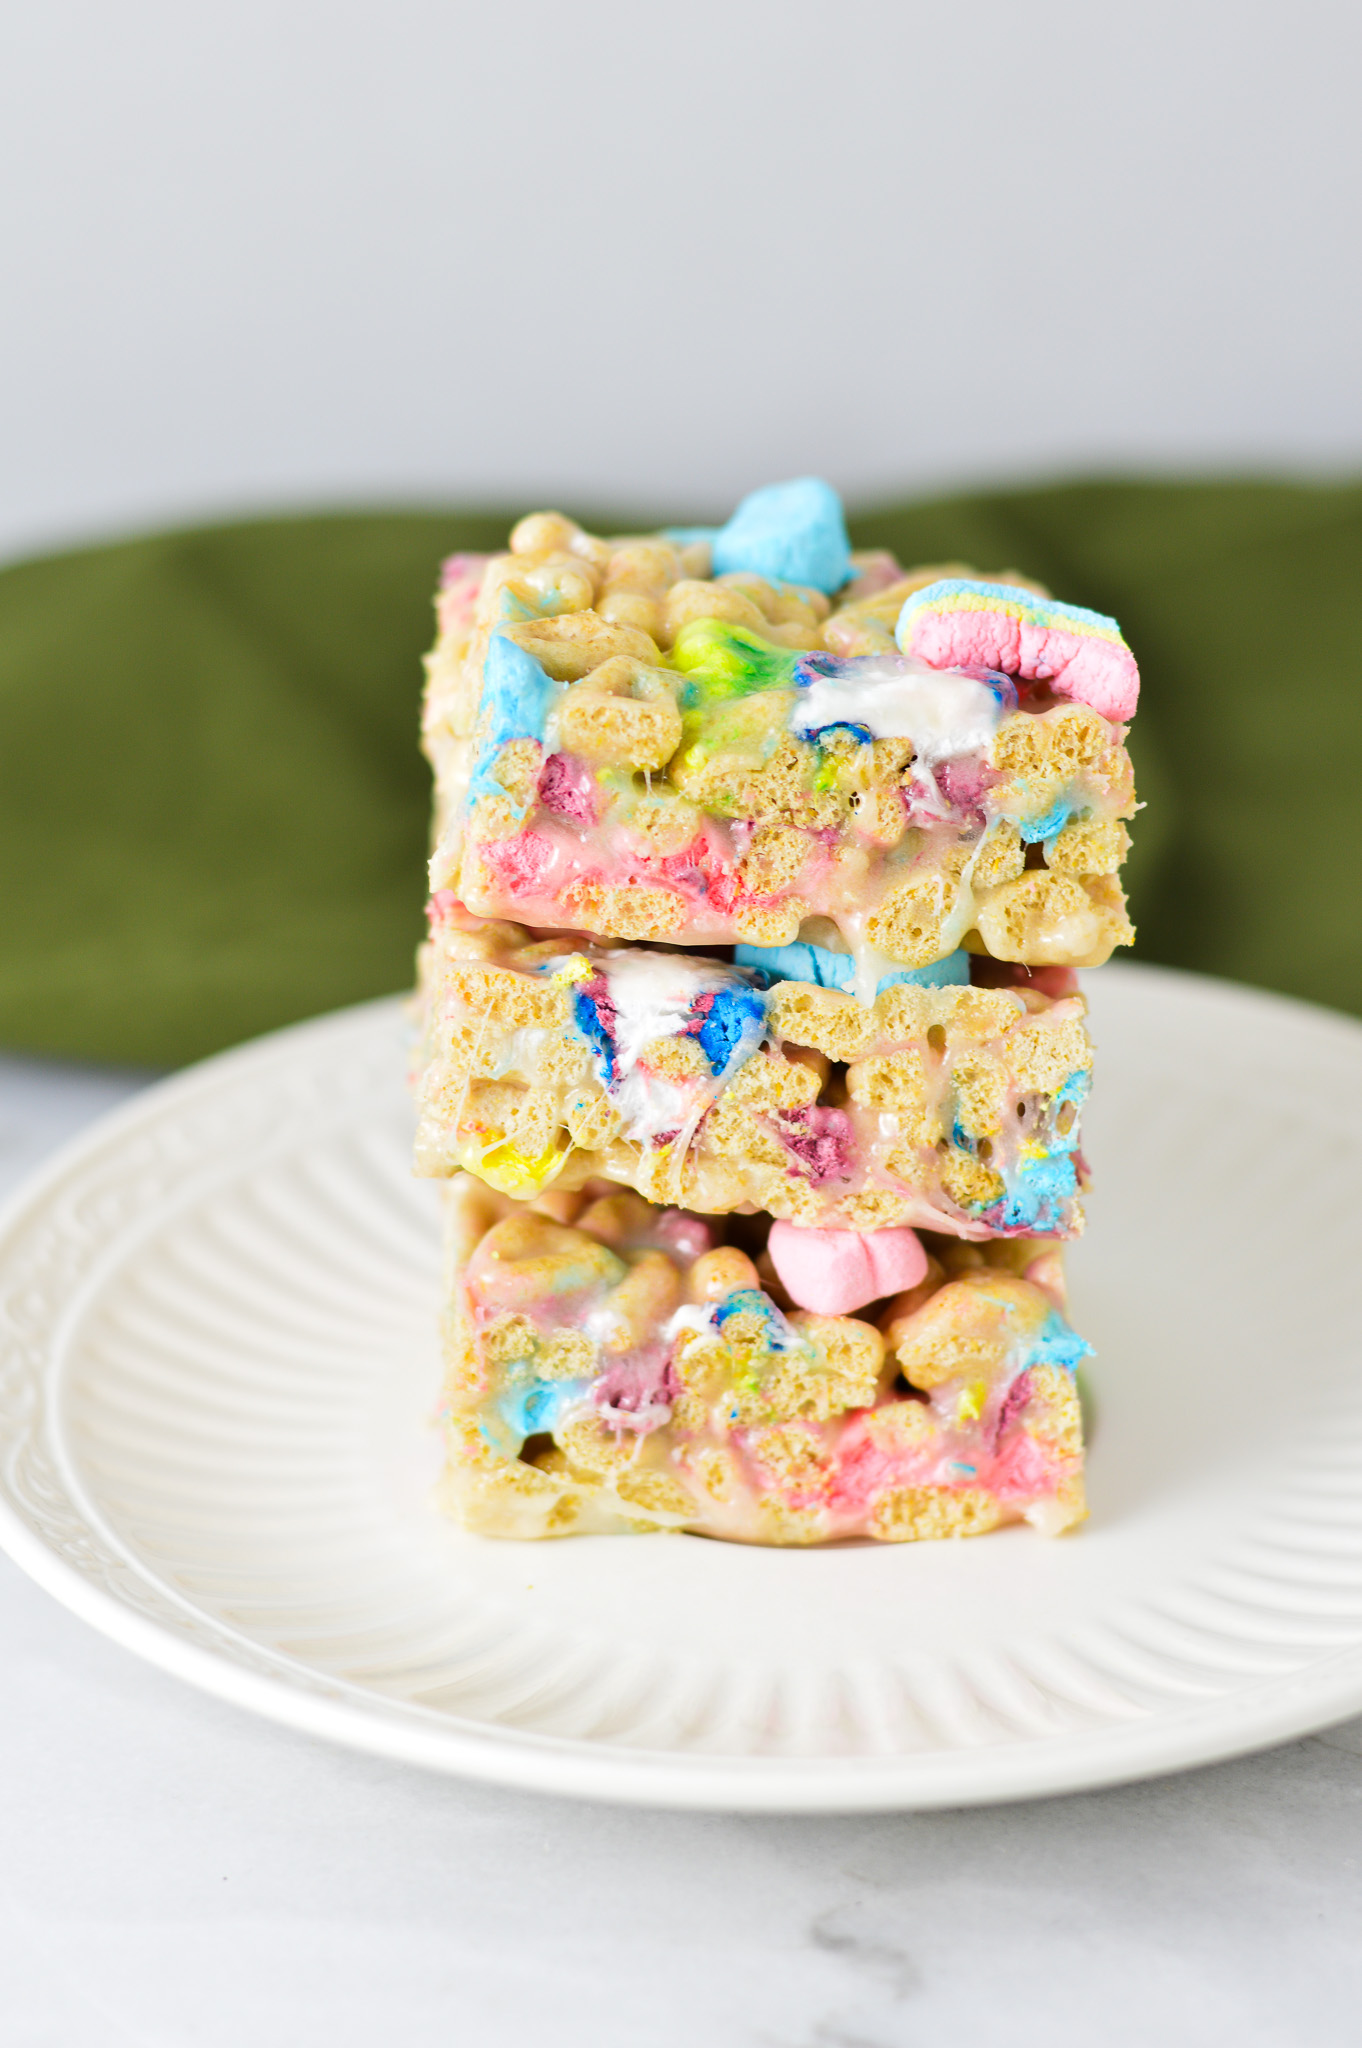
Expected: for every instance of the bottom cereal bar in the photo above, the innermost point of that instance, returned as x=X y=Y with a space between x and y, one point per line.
x=614 y=1366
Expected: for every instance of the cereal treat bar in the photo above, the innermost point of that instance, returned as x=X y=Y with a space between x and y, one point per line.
x=752 y=736
x=611 y=1367
x=551 y=1061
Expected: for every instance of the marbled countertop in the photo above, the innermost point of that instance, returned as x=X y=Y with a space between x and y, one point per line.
x=177 y=1874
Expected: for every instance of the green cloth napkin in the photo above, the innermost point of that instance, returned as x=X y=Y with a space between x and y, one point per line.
x=213 y=812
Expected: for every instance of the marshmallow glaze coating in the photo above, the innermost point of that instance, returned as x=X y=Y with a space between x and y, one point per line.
x=714 y=737
x=615 y=1367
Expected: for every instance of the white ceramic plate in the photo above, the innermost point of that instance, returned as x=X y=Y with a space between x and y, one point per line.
x=218 y=1367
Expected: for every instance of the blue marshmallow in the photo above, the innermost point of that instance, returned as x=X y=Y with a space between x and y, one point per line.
x=516 y=695
x=789 y=533
x=805 y=962
x=1057 y=1344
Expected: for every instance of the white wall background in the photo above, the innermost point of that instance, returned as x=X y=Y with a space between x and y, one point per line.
x=288 y=252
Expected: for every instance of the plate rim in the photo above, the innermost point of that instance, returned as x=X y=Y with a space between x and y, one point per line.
x=291 y=1694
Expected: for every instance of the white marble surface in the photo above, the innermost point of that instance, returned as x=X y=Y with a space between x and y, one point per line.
x=175 y=1874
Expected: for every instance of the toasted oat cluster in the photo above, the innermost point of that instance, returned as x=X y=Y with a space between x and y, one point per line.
x=615 y=1366
x=632 y=741
x=551 y=1061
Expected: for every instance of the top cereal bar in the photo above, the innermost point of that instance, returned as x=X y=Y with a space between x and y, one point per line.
x=752 y=736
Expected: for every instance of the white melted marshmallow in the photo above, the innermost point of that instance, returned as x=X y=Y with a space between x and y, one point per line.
x=690 y=1316
x=899 y=697
x=652 y=994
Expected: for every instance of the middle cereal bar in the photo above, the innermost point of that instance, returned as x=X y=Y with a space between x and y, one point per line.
x=547 y=1060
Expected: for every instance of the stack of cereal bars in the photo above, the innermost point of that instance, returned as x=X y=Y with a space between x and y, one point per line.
x=753 y=1059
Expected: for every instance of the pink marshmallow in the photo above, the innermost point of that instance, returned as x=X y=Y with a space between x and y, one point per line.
x=959 y=622
x=1077 y=666
x=834 y=1272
